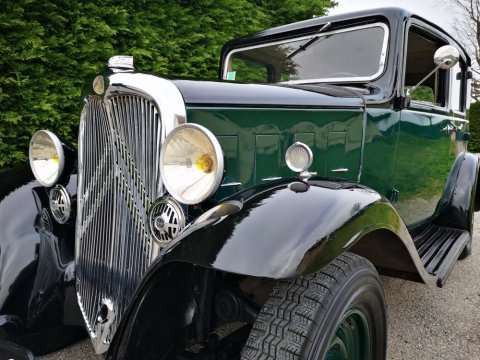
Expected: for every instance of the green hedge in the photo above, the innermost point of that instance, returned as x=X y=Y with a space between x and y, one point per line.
x=474 y=117
x=48 y=49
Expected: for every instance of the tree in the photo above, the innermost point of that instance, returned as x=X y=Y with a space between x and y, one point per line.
x=469 y=34
x=49 y=49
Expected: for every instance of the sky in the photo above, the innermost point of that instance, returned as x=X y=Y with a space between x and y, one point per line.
x=441 y=12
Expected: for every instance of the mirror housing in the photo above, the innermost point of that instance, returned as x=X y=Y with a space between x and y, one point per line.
x=446 y=57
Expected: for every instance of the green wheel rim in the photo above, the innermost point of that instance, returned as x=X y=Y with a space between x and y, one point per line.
x=351 y=340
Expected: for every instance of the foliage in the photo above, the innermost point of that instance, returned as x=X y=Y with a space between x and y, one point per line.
x=423 y=93
x=474 y=117
x=49 y=49
x=468 y=33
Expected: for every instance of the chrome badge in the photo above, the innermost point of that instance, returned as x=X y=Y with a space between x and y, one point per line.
x=60 y=204
x=167 y=220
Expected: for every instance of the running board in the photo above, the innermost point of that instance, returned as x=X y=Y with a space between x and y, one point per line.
x=439 y=248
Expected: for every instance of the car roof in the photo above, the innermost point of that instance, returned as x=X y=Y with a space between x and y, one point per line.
x=392 y=14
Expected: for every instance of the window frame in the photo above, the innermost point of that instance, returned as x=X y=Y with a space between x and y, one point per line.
x=382 y=62
x=449 y=75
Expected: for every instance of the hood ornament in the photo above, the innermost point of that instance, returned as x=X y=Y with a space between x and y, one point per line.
x=123 y=62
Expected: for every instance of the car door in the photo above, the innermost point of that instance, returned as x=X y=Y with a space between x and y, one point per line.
x=430 y=136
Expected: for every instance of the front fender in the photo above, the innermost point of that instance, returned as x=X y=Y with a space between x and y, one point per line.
x=37 y=295
x=18 y=238
x=287 y=229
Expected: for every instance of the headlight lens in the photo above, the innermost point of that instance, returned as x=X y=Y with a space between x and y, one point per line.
x=299 y=157
x=46 y=157
x=191 y=163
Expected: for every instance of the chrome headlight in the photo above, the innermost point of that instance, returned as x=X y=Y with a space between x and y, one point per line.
x=46 y=157
x=191 y=163
x=299 y=157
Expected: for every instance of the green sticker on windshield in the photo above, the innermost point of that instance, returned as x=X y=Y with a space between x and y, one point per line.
x=231 y=75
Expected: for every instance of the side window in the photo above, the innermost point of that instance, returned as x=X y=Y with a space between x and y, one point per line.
x=420 y=50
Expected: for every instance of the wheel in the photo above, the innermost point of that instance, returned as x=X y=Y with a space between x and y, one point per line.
x=336 y=313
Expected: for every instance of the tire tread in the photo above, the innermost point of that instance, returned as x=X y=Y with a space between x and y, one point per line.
x=282 y=326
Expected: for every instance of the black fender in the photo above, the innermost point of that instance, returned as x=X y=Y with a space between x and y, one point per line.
x=38 y=307
x=18 y=238
x=459 y=201
x=291 y=228
x=282 y=229
x=159 y=323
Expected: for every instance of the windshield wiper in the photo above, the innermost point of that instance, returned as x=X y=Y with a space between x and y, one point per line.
x=306 y=44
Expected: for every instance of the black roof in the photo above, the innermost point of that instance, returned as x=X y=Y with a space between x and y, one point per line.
x=391 y=14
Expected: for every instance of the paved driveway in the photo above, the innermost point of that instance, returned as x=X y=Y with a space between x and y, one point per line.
x=424 y=324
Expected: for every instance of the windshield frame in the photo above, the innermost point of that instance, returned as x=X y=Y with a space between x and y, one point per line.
x=382 y=62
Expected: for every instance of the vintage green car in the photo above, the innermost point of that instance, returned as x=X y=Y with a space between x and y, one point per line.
x=249 y=218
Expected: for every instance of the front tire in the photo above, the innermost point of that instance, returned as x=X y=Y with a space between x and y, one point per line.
x=336 y=313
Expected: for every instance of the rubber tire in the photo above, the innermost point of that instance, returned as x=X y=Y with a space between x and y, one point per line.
x=302 y=314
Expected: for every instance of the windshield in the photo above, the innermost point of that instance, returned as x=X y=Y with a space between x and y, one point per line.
x=353 y=54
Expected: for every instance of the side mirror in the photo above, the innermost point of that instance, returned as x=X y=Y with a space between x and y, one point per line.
x=445 y=58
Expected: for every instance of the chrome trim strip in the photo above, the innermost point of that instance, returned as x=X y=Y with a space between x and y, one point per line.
x=446 y=117
x=339 y=170
x=272 y=178
x=163 y=92
x=381 y=63
x=231 y=184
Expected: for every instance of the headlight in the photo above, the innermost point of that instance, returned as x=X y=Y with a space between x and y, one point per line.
x=191 y=163
x=46 y=157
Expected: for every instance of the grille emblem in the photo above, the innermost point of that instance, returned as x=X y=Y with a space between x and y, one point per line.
x=60 y=204
x=167 y=219
x=159 y=223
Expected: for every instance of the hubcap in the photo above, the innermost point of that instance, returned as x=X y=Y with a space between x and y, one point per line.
x=351 y=340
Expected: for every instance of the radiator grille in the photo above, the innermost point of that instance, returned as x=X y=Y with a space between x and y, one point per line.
x=119 y=148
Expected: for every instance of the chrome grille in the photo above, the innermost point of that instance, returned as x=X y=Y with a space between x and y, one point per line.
x=119 y=148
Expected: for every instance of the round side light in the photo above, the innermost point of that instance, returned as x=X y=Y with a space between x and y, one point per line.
x=299 y=157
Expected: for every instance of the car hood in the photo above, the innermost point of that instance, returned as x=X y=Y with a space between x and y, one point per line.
x=273 y=95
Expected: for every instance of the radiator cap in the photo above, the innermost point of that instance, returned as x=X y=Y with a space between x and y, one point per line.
x=121 y=62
